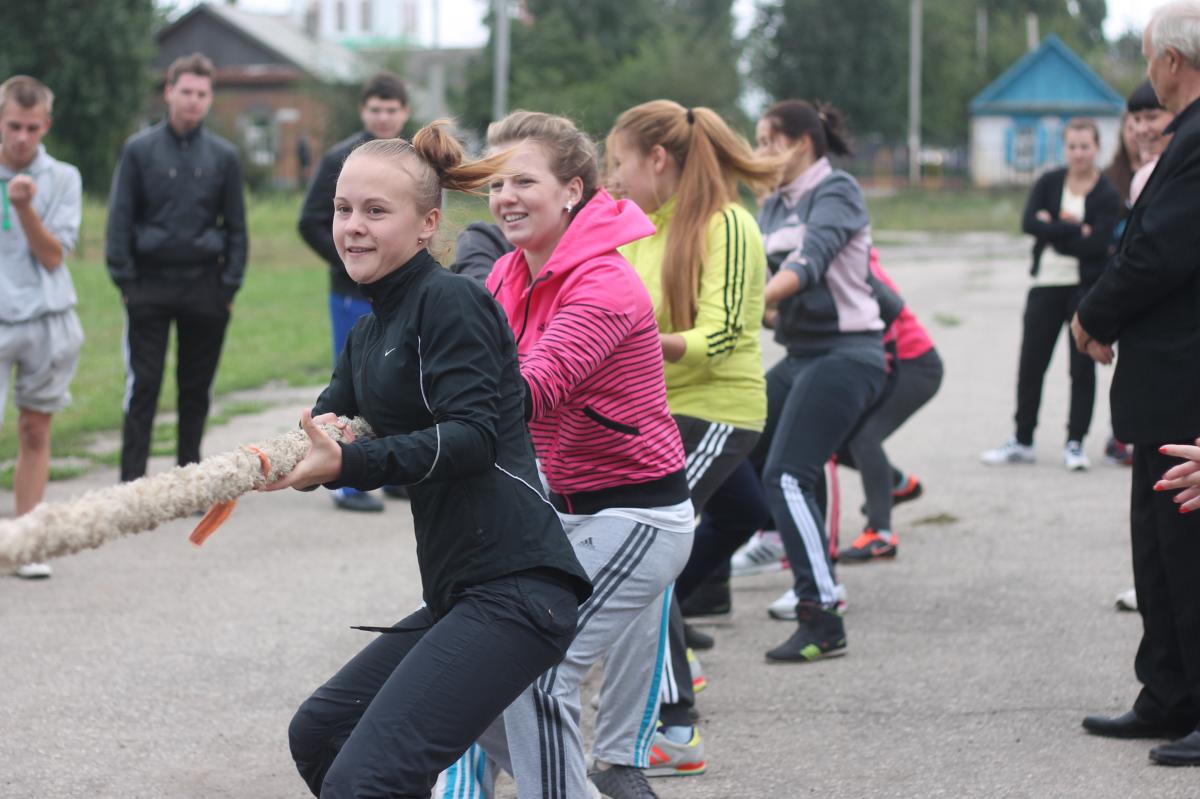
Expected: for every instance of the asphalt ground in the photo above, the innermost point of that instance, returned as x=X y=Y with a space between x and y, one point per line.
x=150 y=668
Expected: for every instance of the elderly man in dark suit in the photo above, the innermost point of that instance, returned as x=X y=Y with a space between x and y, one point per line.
x=1149 y=301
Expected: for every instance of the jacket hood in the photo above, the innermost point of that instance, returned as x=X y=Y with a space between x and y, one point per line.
x=600 y=227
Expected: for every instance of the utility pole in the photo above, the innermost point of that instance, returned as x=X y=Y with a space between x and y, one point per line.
x=914 y=92
x=437 y=67
x=500 y=65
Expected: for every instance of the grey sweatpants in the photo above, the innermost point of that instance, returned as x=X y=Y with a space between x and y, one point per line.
x=538 y=740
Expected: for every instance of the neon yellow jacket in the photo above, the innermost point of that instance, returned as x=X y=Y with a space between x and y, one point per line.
x=720 y=377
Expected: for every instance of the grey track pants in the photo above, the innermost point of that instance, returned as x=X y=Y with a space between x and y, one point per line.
x=538 y=739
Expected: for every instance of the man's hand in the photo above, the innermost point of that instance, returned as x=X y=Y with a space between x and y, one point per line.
x=1081 y=336
x=21 y=190
x=1044 y=216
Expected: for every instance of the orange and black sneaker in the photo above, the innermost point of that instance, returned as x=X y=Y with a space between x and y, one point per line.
x=870 y=546
x=907 y=491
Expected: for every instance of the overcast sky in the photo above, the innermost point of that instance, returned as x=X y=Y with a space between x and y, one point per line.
x=462 y=20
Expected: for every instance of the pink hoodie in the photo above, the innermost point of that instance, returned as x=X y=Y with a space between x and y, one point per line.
x=589 y=351
x=911 y=337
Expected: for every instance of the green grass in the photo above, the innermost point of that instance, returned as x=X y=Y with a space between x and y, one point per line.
x=958 y=211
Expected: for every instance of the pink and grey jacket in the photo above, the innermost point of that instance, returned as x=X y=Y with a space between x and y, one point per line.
x=589 y=351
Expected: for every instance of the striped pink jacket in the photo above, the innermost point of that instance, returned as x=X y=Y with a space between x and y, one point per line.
x=589 y=351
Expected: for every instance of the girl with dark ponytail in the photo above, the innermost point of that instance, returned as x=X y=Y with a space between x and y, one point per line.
x=818 y=238
x=433 y=369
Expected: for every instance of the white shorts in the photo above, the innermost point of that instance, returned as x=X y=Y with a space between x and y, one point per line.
x=45 y=352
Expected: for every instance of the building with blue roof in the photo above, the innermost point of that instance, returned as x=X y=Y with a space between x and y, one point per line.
x=1017 y=121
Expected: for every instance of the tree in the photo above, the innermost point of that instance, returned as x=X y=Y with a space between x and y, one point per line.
x=592 y=59
x=854 y=54
x=96 y=58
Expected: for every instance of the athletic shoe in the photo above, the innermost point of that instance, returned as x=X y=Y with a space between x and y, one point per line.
x=622 y=782
x=1118 y=453
x=762 y=554
x=1009 y=452
x=671 y=759
x=1127 y=600
x=1074 y=458
x=696 y=639
x=710 y=598
x=819 y=634
x=870 y=546
x=357 y=501
x=34 y=571
x=784 y=608
x=907 y=491
x=699 y=683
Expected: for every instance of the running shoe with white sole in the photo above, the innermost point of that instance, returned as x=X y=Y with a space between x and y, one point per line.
x=784 y=608
x=1074 y=458
x=671 y=759
x=1010 y=451
x=762 y=554
x=34 y=571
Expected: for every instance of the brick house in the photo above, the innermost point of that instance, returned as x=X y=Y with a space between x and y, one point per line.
x=276 y=87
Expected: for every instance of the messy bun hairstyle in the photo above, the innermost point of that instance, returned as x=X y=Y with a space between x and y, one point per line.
x=823 y=124
x=434 y=160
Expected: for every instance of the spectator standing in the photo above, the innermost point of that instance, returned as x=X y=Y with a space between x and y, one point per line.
x=176 y=248
x=40 y=335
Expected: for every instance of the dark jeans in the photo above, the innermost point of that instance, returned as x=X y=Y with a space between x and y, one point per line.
x=814 y=403
x=1047 y=310
x=408 y=705
x=914 y=383
x=1166 y=574
x=198 y=309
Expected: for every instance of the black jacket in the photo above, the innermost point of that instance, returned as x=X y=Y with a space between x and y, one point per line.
x=176 y=209
x=433 y=368
x=1149 y=300
x=316 y=215
x=1101 y=210
x=477 y=249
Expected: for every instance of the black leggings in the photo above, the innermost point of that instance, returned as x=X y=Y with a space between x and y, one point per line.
x=915 y=382
x=408 y=705
x=1047 y=310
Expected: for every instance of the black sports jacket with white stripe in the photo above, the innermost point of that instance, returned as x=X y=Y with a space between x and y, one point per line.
x=433 y=369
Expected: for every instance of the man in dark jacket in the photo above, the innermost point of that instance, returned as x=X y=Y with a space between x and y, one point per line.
x=1149 y=301
x=384 y=110
x=176 y=248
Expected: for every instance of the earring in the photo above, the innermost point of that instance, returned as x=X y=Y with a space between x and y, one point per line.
x=568 y=207
x=420 y=242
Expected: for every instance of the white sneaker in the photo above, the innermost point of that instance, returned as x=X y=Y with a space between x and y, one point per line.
x=762 y=554
x=1074 y=458
x=1009 y=452
x=1127 y=600
x=34 y=571
x=784 y=608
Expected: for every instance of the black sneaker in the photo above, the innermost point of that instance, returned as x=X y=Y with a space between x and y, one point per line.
x=819 y=634
x=711 y=598
x=358 y=501
x=870 y=546
x=622 y=782
x=695 y=639
x=907 y=491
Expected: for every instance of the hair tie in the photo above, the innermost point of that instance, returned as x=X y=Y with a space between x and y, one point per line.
x=691 y=118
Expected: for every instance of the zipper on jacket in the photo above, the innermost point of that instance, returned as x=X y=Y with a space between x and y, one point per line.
x=529 y=302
